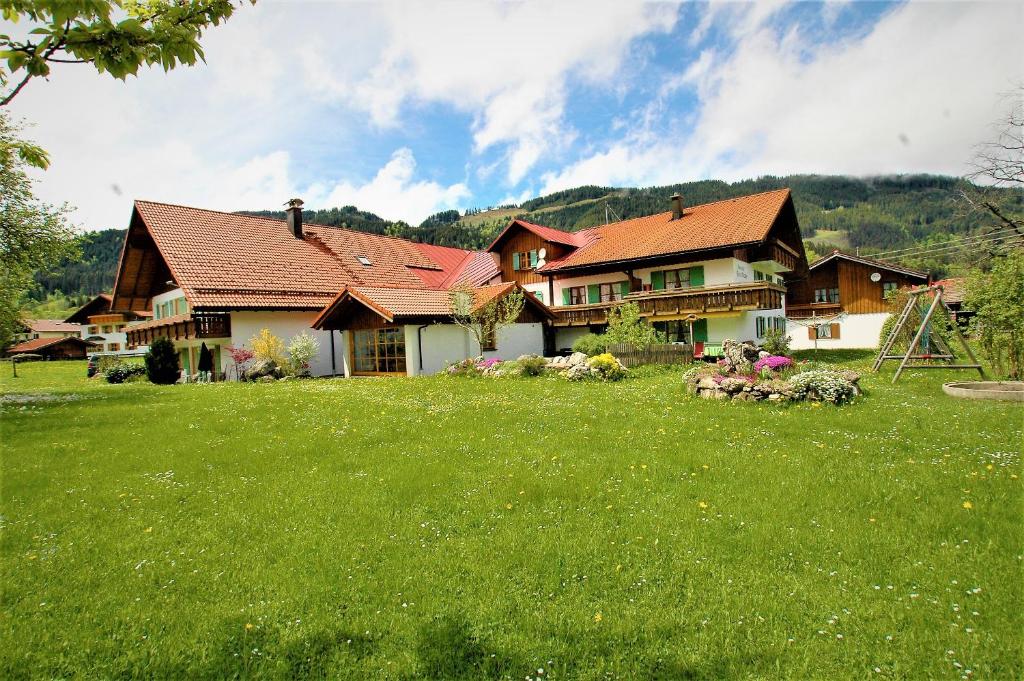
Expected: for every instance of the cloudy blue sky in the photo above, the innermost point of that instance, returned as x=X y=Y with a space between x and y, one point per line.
x=405 y=109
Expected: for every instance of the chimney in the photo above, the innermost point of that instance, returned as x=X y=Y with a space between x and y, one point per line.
x=294 y=212
x=677 y=206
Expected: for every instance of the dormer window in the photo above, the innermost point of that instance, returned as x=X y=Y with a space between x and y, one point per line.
x=363 y=260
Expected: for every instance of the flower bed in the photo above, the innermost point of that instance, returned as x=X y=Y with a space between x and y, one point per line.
x=745 y=374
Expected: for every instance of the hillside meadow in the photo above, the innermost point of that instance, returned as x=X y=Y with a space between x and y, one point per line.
x=440 y=528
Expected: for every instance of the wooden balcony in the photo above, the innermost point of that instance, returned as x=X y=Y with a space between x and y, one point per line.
x=677 y=303
x=181 y=327
x=800 y=310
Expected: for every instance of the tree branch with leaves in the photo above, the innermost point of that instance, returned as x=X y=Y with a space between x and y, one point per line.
x=483 y=319
x=115 y=36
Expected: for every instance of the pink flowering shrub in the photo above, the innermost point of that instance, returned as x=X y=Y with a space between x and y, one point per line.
x=773 y=362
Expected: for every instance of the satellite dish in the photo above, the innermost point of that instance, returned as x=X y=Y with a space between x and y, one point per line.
x=541 y=261
x=876 y=277
x=542 y=253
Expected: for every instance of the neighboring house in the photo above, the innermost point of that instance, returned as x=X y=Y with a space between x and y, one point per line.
x=720 y=269
x=849 y=284
x=45 y=328
x=105 y=328
x=219 y=278
x=953 y=291
x=60 y=347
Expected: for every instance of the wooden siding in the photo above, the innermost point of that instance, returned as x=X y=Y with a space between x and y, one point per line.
x=523 y=241
x=857 y=293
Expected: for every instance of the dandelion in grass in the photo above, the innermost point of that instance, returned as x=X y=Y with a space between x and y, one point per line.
x=702 y=504
x=598 y=617
x=968 y=505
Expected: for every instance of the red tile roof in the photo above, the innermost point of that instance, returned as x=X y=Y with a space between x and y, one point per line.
x=732 y=222
x=37 y=344
x=574 y=239
x=226 y=260
x=953 y=289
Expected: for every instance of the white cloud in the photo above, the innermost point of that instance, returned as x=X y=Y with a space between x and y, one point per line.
x=506 y=64
x=913 y=95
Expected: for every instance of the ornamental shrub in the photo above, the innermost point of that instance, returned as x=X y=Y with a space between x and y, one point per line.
x=606 y=367
x=773 y=363
x=162 y=362
x=302 y=350
x=268 y=347
x=121 y=372
x=776 y=342
x=590 y=345
x=626 y=326
x=531 y=365
x=829 y=386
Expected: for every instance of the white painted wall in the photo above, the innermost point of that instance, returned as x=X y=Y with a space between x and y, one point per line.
x=740 y=328
x=856 y=331
x=285 y=325
x=443 y=344
x=565 y=336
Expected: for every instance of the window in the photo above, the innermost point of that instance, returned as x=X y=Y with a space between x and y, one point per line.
x=578 y=295
x=379 y=351
x=93 y=330
x=889 y=287
x=826 y=295
x=113 y=347
x=363 y=260
x=524 y=260
x=677 y=331
x=760 y=324
x=778 y=323
x=539 y=295
x=108 y=329
x=677 y=278
x=823 y=330
x=759 y=275
x=613 y=292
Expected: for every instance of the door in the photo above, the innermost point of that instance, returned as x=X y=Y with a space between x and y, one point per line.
x=378 y=351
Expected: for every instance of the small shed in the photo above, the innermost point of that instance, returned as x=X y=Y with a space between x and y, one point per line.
x=71 y=347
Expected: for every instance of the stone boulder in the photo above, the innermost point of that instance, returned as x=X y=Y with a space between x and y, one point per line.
x=576 y=359
x=738 y=354
x=262 y=368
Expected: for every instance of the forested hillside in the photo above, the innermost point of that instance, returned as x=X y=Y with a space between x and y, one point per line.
x=877 y=214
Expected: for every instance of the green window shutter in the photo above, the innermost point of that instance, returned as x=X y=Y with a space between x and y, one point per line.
x=565 y=296
x=533 y=258
x=515 y=261
x=658 y=280
x=697 y=275
x=593 y=293
x=540 y=296
x=625 y=288
x=700 y=331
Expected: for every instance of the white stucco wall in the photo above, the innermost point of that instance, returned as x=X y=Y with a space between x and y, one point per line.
x=856 y=331
x=285 y=325
x=446 y=343
x=742 y=327
x=565 y=336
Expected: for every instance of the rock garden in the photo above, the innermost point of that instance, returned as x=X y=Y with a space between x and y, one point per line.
x=747 y=373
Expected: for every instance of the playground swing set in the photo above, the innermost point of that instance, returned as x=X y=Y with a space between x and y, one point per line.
x=926 y=345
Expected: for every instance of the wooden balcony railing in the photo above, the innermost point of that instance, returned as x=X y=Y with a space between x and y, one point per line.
x=181 y=327
x=812 y=309
x=760 y=295
x=783 y=257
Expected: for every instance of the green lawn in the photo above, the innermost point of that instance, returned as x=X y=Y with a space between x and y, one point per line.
x=461 y=528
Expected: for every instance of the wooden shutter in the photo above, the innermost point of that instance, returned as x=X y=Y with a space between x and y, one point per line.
x=624 y=287
x=812 y=332
x=566 y=299
x=533 y=258
x=835 y=330
x=697 y=275
x=593 y=293
x=700 y=331
x=658 y=280
x=515 y=261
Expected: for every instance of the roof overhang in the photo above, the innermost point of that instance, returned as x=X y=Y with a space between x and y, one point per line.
x=839 y=255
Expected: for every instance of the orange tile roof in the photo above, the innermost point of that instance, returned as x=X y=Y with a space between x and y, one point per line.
x=392 y=303
x=51 y=326
x=721 y=224
x=229 y=260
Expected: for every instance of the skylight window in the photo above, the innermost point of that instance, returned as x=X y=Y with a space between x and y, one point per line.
x=364 y=260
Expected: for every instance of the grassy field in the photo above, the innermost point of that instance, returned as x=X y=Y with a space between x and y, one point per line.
x=520 y=529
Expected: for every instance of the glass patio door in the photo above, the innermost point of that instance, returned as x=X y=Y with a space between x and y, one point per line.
x=378 y=351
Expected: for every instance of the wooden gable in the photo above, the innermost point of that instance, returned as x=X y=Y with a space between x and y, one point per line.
x=142 y=271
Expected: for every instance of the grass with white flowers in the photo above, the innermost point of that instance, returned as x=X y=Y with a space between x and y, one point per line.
x=476 y=528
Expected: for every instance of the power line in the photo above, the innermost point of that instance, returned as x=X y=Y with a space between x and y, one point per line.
x=963 y=239
x=1006 y=240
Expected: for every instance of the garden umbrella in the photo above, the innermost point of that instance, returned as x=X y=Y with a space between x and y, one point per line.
x=205 y=360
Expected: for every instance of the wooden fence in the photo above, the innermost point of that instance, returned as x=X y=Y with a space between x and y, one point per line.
x=659 y=353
